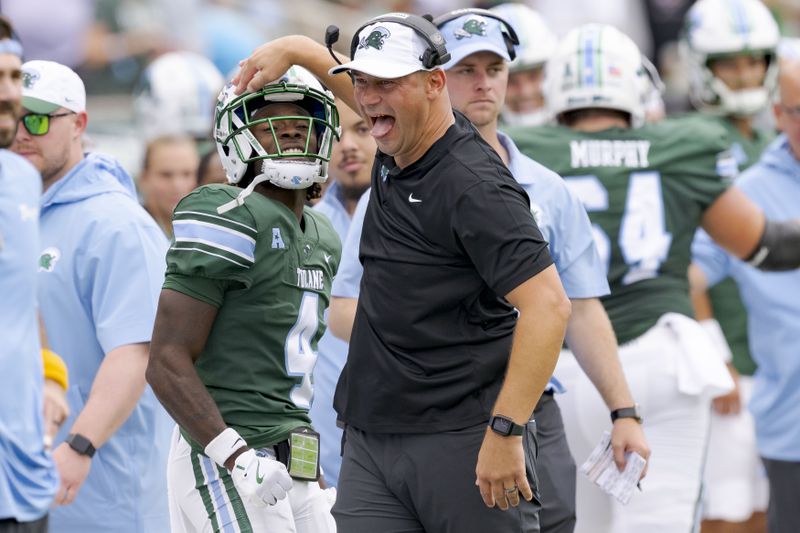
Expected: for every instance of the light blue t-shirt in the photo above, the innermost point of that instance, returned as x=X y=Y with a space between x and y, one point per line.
x=101 y=270
x=28 y=479
x=772 y=301
x=331 y=354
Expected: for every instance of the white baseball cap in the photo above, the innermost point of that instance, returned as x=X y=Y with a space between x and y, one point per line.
x=387 y=50
x=47 y=86
x=473 y=33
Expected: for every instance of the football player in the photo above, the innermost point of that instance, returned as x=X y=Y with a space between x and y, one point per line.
x=248 y=279
x=646 y=189
x=729 y=47
x=524 y=102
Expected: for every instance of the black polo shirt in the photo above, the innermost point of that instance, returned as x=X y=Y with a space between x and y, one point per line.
x=444 y=240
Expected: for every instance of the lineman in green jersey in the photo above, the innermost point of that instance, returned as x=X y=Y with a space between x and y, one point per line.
x=729 y=48
x=248 y=279
x=646 y=190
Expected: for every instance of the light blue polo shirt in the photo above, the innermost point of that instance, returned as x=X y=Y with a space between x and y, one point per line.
x=772 y=301
x=28 y=479
x=331 y=355
x=101 y=270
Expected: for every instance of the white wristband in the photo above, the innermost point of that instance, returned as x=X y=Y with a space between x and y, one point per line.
x=714 y=332
x=223 y=445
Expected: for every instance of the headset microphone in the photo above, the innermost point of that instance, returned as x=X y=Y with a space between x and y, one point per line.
x=331 y=36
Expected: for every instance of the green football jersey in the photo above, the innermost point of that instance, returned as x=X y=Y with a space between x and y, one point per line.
x=645 y=190
x=270 y=281
x=725 y=300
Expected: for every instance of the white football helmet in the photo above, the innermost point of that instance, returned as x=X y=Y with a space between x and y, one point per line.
x=238 y=147
x=175 y=95
x=596 y=66
x=536 y=45
x=536 y=42
x=719 y=28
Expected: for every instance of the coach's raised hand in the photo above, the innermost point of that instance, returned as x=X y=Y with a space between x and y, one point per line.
x=270 y=60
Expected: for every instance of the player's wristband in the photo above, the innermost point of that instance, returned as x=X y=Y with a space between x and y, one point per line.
x=223 y=445
x=54 y=368
x=714 y=332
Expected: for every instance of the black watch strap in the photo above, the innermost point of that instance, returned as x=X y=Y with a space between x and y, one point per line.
x=502 y=425
x=80 y=444
x=626 y=412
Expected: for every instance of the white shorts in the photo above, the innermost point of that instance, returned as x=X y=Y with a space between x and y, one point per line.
x=202 y=499
x=673 y=387
x=736 y=484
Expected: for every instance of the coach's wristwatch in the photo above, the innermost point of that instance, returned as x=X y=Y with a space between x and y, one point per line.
x=502 y=425
x=626 y=412
x=80 y=444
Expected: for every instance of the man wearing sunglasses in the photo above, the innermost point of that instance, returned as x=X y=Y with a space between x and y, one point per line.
x=101 y=268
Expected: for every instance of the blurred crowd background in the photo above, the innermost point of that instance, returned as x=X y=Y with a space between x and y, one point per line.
x=110 y=43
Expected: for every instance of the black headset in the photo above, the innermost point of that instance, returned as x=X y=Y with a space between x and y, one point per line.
x=509 y=35
x=435 y=55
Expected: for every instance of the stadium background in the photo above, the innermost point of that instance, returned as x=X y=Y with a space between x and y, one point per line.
x=110 y=42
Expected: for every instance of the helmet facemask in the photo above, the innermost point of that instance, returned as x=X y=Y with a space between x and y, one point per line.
x=716 y=29
x=282 y=133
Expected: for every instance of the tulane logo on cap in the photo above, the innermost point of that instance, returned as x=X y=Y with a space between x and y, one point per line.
x=375 y=39
x=473 y=26
x=29 y=78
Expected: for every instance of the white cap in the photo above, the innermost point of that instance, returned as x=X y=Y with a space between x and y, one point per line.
x=387 y=50
x=47 y=86
x=473 y=33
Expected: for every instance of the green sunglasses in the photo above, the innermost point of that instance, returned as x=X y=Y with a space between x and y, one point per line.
x=39 y=124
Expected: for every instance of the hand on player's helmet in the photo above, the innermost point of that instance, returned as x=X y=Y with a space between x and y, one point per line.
x=260 y=479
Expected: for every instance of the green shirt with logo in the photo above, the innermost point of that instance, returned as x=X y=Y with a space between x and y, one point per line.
x=270 y=280
x=645 y=190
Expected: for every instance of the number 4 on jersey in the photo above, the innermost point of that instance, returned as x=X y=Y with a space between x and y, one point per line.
x=300 y=357
x=643 y=239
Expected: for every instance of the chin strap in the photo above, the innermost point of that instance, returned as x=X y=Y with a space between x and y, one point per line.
x=239 y=200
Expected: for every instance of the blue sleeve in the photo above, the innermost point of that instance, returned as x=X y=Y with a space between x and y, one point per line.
x=569 y=231
x=124 y=270
x=712 y=260
x=347 y=282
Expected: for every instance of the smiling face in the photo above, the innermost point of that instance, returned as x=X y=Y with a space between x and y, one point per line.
x=400 y=111
x=351 y=158
x=290 y=134
x=477 y=86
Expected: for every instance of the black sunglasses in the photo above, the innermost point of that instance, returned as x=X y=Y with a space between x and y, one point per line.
x=39 y=124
